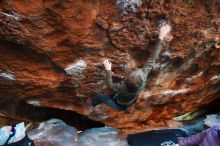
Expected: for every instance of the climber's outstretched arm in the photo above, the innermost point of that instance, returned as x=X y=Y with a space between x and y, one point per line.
x=112 y=86
x=151 y=62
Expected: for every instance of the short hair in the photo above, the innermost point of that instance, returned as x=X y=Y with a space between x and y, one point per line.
x=135 y=79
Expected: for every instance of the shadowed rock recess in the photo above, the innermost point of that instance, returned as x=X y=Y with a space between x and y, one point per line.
x=51 y=54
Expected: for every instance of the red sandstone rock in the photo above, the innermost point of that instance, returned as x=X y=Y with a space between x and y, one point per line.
x=51 y=56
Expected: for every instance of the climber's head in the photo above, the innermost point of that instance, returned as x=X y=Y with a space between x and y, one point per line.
x=135 y=79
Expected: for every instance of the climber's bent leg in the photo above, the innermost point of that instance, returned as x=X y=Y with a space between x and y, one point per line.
x=96 y=100
x=109 y=101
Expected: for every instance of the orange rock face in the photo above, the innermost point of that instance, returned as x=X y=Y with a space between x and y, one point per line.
x=51 y=55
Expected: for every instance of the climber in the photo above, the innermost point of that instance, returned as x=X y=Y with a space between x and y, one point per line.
x=125 y=93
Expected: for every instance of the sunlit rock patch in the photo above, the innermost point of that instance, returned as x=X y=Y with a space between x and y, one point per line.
x=7 y=75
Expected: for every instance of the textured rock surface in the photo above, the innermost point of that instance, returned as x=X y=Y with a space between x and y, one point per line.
x=51 y=56
x=102 y=136
x=54 y=132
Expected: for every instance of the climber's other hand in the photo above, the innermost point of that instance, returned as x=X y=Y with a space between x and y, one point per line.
x=107 y=64
x=165 y=29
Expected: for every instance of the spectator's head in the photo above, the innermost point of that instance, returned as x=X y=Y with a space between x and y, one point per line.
x=135 y=79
